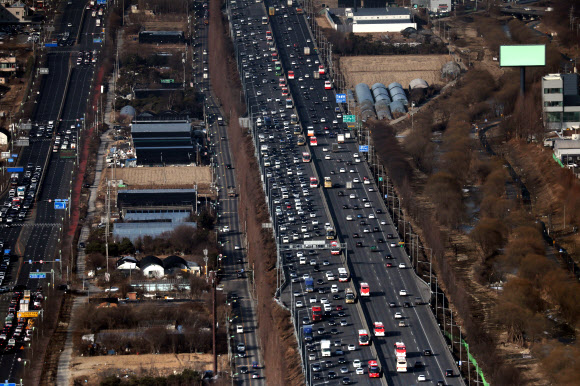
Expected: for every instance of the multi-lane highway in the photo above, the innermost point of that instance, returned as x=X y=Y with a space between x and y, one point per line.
x=235 y=272
x=64 y=103
x=268 y=49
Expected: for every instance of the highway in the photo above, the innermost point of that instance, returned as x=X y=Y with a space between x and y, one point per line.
x=232 y=241
x=40 y=232
x=367 y=263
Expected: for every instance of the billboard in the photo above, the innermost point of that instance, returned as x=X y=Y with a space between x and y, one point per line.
x=27 y=314
x=522 y=55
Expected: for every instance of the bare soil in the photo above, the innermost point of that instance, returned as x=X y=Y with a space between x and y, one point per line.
x=84 y=369
x=395 y=68
x=166 y=177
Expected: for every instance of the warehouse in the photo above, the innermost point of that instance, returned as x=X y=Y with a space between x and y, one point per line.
x=370 y=20
x=163 y=143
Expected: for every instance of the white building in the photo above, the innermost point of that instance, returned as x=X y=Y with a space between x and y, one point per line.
x=561 y=101
x=152 y=266
x=369 y=20
x=434 y=6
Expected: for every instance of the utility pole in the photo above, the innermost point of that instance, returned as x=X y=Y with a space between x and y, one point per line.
x=214 y=320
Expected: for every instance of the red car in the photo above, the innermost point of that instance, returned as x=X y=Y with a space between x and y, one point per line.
x=374 y=370
x=389 y=265
x=338 y=308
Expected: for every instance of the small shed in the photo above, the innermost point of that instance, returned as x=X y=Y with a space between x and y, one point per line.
x=152 y=266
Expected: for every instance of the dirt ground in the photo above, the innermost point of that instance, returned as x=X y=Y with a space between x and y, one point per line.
x=85 y=368
x=168 y=177
x=395 y=68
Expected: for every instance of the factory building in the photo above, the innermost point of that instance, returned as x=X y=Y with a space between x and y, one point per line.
x=370 y=20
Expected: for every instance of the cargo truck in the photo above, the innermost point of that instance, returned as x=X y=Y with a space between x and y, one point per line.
x=325 y=348
x=327 y=182
x=306 y=50
x=340 y=138
x=316 y=313
x=335 y=148
x=349 y=184
x=271 y=11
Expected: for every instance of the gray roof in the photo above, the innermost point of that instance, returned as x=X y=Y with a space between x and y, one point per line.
x=173 y=216
x=399 y=21
x=157 y=191
x=165 y=33
x=374 y=11
x=135 y=230
x=166 y=126
x=567 y=144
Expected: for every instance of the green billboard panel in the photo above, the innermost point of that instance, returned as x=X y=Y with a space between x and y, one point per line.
x=522 y=55
x=349 y=118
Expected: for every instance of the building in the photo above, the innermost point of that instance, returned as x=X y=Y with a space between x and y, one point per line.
x=152 y=266
x=161 y=37
x=369 y=20
x=567 y=151
x=174 y=264
x=147 y=205
x=17 y=12
x=8 y=64
x=561 y=101
x=163 y=142
x=127 y=263
x=433 y=6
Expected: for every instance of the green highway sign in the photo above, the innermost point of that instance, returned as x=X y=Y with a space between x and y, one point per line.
x=167 y=81
x=349 y=118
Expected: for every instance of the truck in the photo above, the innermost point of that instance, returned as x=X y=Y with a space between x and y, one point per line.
x=350 y=296
x=263 y=149
x=309 y=283
x=98 y=22
x=349 y=184
x=294 y=120
x=301 y=140
x=327 y=182
x=289 y=2
x=24 y=304
x=26 y=295
x=306 y=156
x=340 y=138
x=325 y=347
x=335 y=148
x=364 y=289
x=232 y=191
x=379 y=329
x=334 y=248
x=316 y=313
x=271 y=11
x=307 y=50
x=307 y=333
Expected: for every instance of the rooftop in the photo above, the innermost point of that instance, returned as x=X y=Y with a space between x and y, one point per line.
x=161 y=126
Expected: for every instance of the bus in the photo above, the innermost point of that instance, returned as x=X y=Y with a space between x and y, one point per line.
x=327 y=85
x=290 y=74
x=294 y=120
x=334 y=248
x=374 y=369
x=284 y=91
x=363 y=338
x=379 y=329
x=313 y=141
x=306 y=157
x=316 y=313
x=330 y=234
x=342 y=275
x=321 y=69
x=364 y=289
x=264 y=20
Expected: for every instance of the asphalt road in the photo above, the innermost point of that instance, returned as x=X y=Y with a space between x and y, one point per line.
x=42 y=229
x=233 y=242
x=291 y=35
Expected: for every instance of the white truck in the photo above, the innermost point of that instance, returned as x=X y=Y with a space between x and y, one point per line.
x=325 y=347
x=340 y=138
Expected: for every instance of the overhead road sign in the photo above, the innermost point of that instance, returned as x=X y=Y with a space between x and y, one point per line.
x=340 y=98
x=349 y=118
x=37 y=275
x=15 y=170
x=51 y=45
x=363 y=148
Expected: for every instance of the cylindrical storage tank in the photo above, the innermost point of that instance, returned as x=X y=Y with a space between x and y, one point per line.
x=397 y=107
x=418 y=83
x=363 y=93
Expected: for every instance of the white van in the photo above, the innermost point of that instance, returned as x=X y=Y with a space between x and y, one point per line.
x=239 y=329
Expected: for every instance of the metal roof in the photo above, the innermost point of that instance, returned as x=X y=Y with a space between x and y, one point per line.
x=162 y=33
x=163 y=126
x=135 y=230
x=388 y=11
x=173 y=216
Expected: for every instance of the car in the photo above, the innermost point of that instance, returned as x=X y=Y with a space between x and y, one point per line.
x=359 y=244
x=419 y=365
x=421 y=378
x=343 y=322
x=244 y=369
x=345 y=381
x=313 y=299
x=351 y=347
x=299 y=304
x=393 y=245
x=372 y=215
x=427 y=352
x=332 y=375
x=407 y=304
x=448 y=373
x=241 y=346
x=402 y=323
x=389 y=265
x=388 y=256
x=352 y=196
x=356 y=363
x=349 y=218
x=344 y=370
x=335 y=297
x=311 y=357
x=334 y=331
x=338 y=307
x=334 y=288
x=402 y=266
x=320 y=331
x=316 y=367
x=398 y=315
x=402 y=292
x=360 y=371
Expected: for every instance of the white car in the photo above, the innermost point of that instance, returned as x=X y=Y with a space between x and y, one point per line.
x=236 y=247
x=398 y=315
x=299 y=304
x=356 y=363
x=325 y=149
x=349 y=218
x=402 y=292
x=352 y=196
x=372 y=215
x=383 y=222
x=421 y=378
x=299 y=253
x=312 y=214
x=356 y=179
x=313 y=299
x=351 y=347
x=327 y=156
x=342 y=170
x=323 y=300
x=393 y=244
x=360 y=371
x=367 y=204
x=402 y=266
x=334 y=288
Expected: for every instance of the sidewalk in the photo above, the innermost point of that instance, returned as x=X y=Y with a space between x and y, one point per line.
x=63 y=374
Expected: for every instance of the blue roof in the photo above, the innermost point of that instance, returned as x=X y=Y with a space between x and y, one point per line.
x=173 y=216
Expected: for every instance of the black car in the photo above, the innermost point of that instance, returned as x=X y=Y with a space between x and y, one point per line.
x=427 y=352
x=335 y=297
x=346 y=381
x=345 y=206
x=334 y=331
x=376 y=229
x=331 y=322
x=340 y=193
x=328 y=364
x=332 y=375
x=407 y=305
x=355 y=236
x=244 y=369
x=359 y=244
x=341 y=361
x=228 y=166
x=448 y=373
x=388 y=256
x=419 y=365
x=320 y=331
